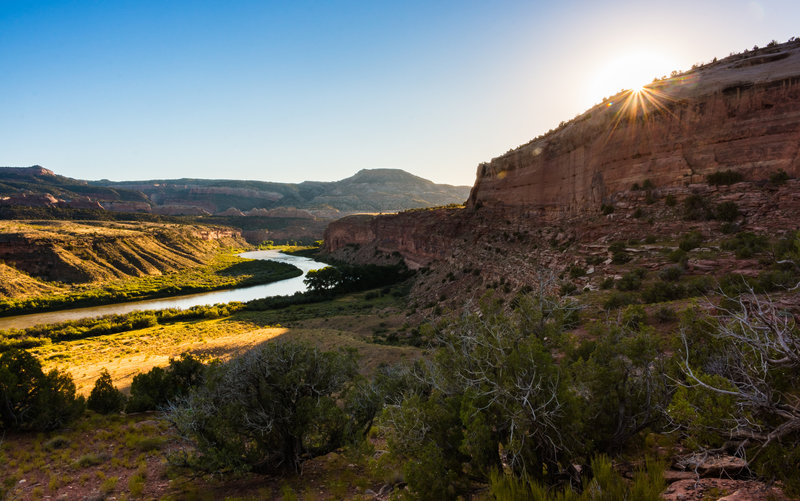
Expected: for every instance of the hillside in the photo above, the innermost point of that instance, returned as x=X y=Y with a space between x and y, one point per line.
x=37 y=253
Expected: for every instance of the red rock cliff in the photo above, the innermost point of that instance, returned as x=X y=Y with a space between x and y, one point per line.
x=741 y=113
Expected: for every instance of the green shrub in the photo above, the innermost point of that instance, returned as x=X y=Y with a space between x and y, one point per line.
x=670 y=201
x=630 y=281
x=726 y=211
x=269 y=409
x=691 y=240
x=607 y=283
x=105 y=398
x=638 y=213
x=746 y=244
x=159 y=386
x=618 y=300
x=665 y=315
x=576 y=271
x=724 y=177
x=779 y=177
x=663 y=291
x=671 y=273
x=678 y=256
x=31 y=399
x=605 y=485
x=696 y=208
x=620 y=257
x=606 y=209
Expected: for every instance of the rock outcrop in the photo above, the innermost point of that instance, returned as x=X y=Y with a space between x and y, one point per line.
x=741 y=113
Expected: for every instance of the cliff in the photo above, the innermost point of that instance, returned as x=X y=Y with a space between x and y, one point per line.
x=741 y=113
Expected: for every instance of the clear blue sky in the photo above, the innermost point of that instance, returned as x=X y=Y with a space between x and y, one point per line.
x=296 y=90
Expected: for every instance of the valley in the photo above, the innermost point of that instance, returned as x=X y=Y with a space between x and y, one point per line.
x=612 y=314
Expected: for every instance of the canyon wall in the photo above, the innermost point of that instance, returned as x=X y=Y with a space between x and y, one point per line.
x=742 y=113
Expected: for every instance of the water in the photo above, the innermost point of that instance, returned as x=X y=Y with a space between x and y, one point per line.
x=280 y=288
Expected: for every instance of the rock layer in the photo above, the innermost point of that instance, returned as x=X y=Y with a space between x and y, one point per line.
x=727 y=115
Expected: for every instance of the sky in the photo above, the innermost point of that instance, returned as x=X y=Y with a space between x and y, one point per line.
x=317 y=90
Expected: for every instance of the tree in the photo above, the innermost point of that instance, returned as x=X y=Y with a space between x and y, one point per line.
x=105 y=398
x=748 y=382
x=269 y=409
x=156 y=388
x=31 y=399
x=494 y=397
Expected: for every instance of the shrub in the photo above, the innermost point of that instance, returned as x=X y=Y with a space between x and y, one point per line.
x=618 y=300
x=105 y=398
x=671 y=273
x=665 y=315
x=779 y=177
x=724 y=177
x=620 y=257
x=746 y=244
x=638 y=213
x=31 y=399
x=678 y=256
x=695 y=208
x=691 y=240
x=630 y=281
x=670 y=200
x=576 y=271
x=606 y=209
x=159 y=386
x=726 y=211
x=269 y=409
x=663 y=291
x=607 y=283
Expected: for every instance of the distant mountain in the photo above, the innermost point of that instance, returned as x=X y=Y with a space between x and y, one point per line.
x=369 y=190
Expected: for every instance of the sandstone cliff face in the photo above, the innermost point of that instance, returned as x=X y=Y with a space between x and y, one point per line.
x=742 y=113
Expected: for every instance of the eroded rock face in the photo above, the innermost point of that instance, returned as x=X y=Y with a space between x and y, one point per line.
x=724 y=116
x=741 y=113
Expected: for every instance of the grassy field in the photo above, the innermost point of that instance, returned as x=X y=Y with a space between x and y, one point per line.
x=126 y=456
x=350 y=321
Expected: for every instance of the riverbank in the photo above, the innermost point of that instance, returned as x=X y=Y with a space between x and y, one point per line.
x=227 y=271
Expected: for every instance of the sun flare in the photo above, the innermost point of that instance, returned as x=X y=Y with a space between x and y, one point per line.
x=631 y=72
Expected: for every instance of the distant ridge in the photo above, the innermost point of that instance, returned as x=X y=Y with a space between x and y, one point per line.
x=369 y=190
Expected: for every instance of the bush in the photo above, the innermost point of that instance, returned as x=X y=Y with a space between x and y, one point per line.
x=105 y=398
x=671 y=273
x=695 y=208
x=724 y=177
x=670 y=201
x=691 y=240
x=606 y=209
x=630 y=281
x=620 y=257
x=31 y=399
x=269 y=409
x=726 y=211
x=779 y=177
x=678 y=256
x=618 y=300
x=663 y=291
x=665 y=315
x=159 y=386
x=746 y=244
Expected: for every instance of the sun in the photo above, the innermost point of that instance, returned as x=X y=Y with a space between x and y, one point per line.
x=630 y=71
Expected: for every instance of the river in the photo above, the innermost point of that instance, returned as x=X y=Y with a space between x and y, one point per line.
x=280 y=288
